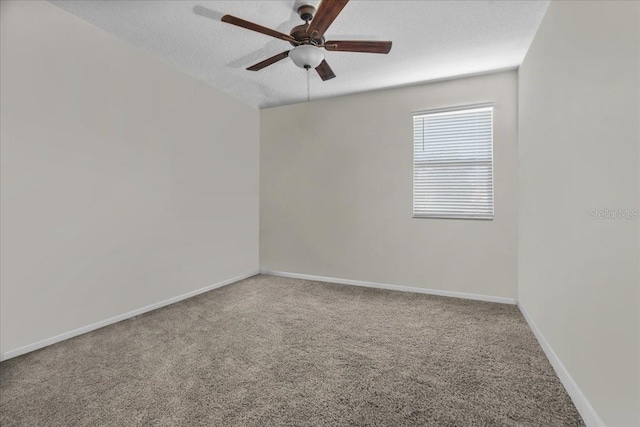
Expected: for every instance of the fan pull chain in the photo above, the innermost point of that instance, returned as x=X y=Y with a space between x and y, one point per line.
x=308 y=85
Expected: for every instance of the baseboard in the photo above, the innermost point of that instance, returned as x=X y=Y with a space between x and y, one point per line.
x=83 y=330
x=589 y=415
x=478 y=297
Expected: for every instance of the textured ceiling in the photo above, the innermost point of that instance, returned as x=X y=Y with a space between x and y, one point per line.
x=431 y=40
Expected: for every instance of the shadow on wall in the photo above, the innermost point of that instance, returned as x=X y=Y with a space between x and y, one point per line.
x=208 y=13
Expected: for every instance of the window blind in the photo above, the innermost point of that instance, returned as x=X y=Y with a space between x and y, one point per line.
x=453 y=163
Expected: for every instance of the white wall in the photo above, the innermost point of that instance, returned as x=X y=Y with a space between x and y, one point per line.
x=579 y=91
x=336 y=192
x=124 y=181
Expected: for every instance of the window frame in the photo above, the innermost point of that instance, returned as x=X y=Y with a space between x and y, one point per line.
x=415 y=114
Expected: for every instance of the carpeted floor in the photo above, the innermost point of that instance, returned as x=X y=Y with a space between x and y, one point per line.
x=271 y=351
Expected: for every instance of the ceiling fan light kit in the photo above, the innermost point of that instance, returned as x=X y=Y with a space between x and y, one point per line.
x=306 y=56
x=308 y=39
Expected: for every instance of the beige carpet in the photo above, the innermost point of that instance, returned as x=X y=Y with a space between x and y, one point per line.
x=270 y=351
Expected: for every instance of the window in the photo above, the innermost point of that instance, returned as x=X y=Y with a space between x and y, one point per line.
x=453 y=163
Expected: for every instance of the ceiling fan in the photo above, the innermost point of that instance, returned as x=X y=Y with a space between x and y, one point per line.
x=308 y=39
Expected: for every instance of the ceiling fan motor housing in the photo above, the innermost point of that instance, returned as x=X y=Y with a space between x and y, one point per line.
x=299 y=33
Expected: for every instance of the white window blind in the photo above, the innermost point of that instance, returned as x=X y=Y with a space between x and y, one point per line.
x=453 y=163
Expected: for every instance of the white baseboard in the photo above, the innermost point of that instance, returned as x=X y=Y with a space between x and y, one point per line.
x=464 y=295
x=83 y=330
x=589 y=415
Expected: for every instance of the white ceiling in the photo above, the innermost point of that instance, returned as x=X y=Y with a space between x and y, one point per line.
x=431 y=40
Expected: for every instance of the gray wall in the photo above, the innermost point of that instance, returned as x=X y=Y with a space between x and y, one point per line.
x=336 y=192
x=579 y=150
x=124 y=181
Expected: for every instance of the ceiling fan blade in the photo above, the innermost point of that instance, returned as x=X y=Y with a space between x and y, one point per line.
x=326 y=14
x=255 y=27
x=260 y=65
x=324 y=71
x=358 y=46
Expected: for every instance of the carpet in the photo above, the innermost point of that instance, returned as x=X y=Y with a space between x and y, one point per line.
x=272 y=351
